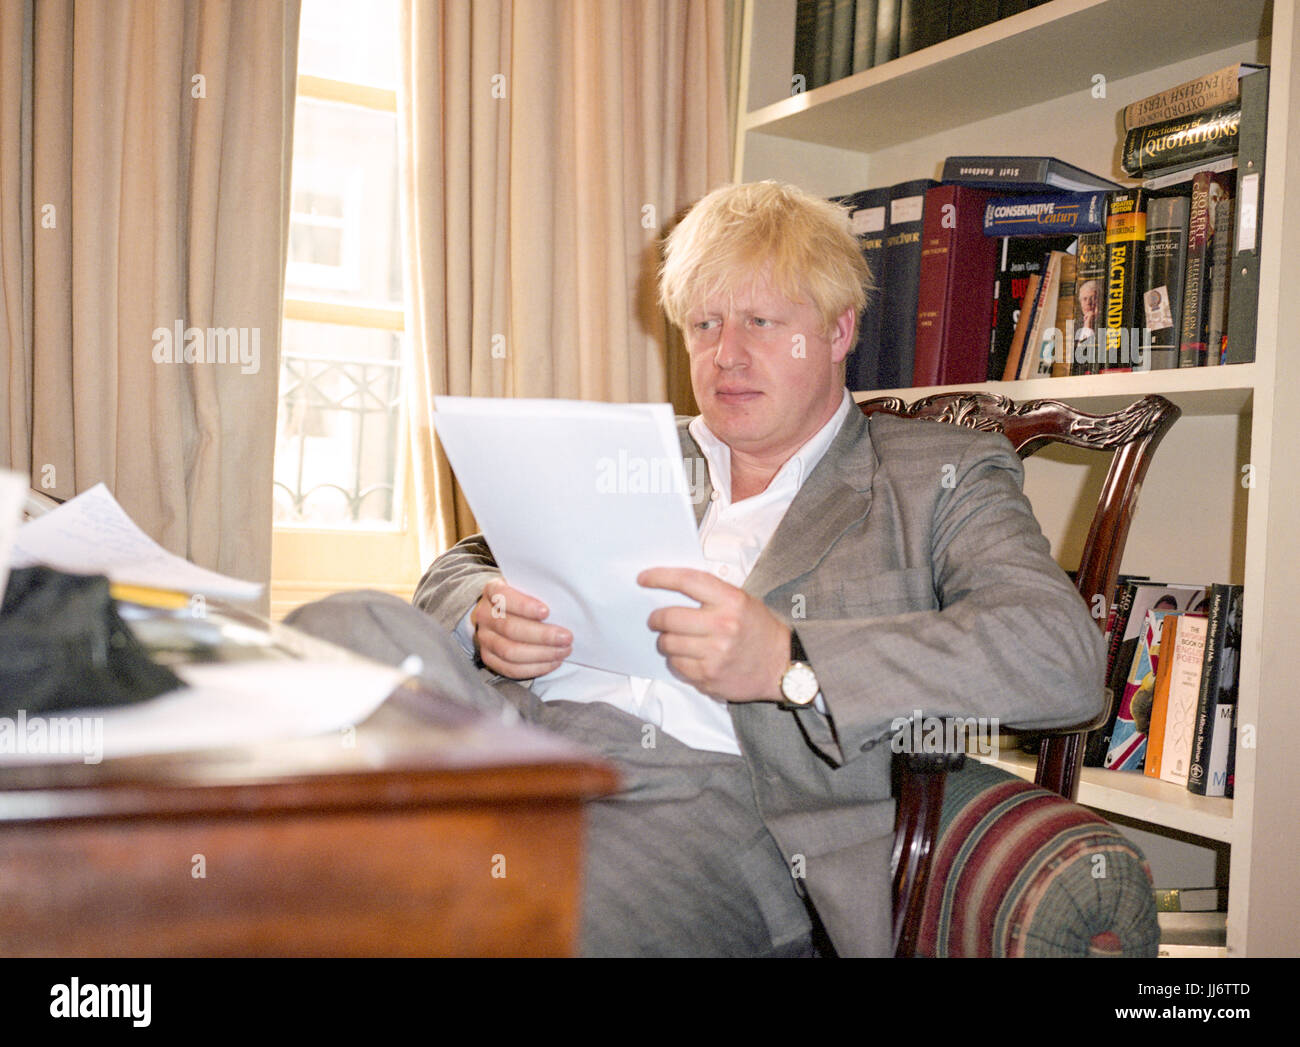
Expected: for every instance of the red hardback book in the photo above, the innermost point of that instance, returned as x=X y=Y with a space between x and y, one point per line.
x=954 y=308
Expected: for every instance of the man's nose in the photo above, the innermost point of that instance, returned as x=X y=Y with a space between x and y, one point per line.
x=732 y=350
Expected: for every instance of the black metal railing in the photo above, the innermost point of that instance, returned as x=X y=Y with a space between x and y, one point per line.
x=311 y=387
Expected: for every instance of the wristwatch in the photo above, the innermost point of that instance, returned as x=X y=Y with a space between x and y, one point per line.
x=798 y=683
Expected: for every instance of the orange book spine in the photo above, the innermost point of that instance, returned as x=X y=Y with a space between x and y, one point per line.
x=1160 y=700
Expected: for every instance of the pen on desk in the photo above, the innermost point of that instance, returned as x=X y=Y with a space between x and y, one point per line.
x=145 y=596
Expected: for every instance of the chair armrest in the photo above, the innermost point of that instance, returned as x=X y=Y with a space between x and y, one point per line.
x=1020 y=871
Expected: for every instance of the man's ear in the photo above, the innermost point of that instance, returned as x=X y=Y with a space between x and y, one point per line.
x=843 y=335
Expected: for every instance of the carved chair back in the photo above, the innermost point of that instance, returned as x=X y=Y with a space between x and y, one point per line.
x=1131 y=436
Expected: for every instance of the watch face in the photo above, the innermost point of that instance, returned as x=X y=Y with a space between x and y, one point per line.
x=799 y=684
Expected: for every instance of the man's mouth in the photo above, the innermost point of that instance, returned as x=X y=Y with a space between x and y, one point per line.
x=736 y=395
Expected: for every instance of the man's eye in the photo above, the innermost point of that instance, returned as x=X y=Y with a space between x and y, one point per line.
x=763 y=321
x=706 y=325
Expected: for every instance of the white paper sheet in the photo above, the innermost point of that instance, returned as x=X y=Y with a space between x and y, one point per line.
x=575 y=500
x=225 y=704
x=13 y=488
x=92 y=534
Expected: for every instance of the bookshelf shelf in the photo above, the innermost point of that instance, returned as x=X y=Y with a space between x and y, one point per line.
x=1197 y=390
x=1032 y=57
x=1135 y=796
x=1023 y=86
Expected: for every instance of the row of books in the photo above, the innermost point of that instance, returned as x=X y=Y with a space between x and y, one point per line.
x=1021 y=267
x=1173 y=669
x=836 y=38
x=1146 y=286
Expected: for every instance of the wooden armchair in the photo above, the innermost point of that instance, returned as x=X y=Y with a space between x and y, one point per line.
x=1131 y=437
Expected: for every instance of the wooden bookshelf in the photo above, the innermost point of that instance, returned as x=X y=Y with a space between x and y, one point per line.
x=1053 y=81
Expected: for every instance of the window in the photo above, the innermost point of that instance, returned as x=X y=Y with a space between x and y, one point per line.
x=341 y=472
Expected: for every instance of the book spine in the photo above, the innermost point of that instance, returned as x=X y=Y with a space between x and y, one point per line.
x=932 y=23
x=991 y=171
x=954 y=309
x=822 y=43
x=961 y=17
x=1043 y=214
x=887 y=12
x=1090 y=284
x=1162 y=284
x=864 y=35
x=903 y=276
x=841 y=39
x=869 y=219
x=1244 y=301
x=1185 y=141
x=1024 y=323
x=1219 y=88
x=1035 y=361
x=1220 y=764
x=983 y=12
x=1094 y=752
x=805 y=40
x=909 y=16
x=1063 y=331
x=1187 y=654
x=1125 y=237
x=1218 y=676
x=1160 y=704
x=1217 y=312
x=1191 y=343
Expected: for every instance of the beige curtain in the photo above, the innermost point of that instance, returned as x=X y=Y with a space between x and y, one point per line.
x=144 y=175
x=545 y=147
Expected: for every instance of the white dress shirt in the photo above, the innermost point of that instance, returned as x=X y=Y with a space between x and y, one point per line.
x=732 y=536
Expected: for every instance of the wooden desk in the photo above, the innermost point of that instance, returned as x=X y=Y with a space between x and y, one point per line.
x=428 y=831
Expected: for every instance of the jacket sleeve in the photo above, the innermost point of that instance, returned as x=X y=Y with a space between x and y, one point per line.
x=454 y=581
x=1006 y=635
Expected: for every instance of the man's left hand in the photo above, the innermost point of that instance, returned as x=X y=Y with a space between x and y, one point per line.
x=730 y=647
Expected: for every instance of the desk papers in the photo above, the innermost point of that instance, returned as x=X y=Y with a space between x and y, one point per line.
x=92 y=534
x=575 y=499
x=222 y=705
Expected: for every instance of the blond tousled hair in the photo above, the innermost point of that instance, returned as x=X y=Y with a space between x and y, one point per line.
x=800 y=243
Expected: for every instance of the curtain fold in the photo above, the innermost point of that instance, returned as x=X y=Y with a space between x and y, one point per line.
x=151 y=143
x=545 y=146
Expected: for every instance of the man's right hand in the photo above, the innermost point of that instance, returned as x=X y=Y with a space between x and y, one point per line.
x=512 y=637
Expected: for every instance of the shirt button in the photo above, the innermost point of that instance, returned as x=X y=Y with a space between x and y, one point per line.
x=714 y=496
x=722 y=570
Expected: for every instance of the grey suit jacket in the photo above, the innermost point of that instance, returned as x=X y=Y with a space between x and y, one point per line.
x=912 y=566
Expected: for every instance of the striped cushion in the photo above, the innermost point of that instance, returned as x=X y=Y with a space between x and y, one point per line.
x=1020 y=871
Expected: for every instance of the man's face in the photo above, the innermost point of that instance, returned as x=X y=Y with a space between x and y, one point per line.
x=765 y=375
x=1088 y=301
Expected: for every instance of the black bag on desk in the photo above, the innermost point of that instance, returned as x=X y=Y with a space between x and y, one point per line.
x=64 y=646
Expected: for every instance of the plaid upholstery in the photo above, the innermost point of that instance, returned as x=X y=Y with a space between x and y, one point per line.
x=1020 y=871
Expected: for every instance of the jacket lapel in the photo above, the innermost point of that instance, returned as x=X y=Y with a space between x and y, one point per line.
x=835 y=496
x=697 y=473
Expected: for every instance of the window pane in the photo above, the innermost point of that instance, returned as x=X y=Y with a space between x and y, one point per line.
x=346 y=40
x=336 y=455
x=344 y=180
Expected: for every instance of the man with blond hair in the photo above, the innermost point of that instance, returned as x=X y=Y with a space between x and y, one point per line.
x=862 y=570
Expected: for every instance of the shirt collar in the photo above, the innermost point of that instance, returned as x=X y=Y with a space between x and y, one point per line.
x=798 y=465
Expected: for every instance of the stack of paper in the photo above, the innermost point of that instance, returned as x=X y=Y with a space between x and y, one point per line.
x=92 y=534
x=311 y=689
x=575 y=500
